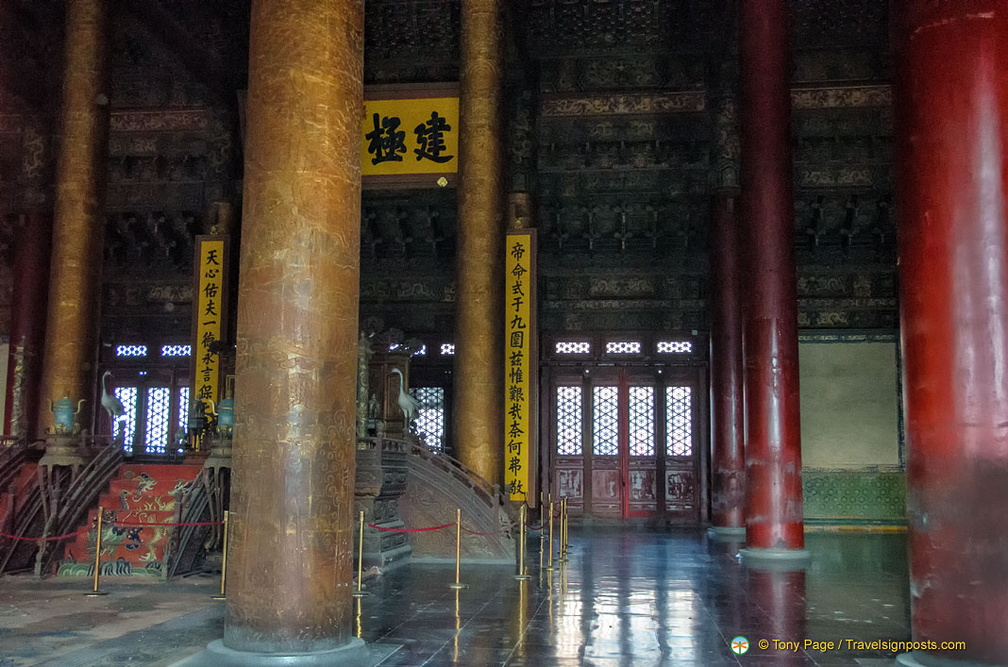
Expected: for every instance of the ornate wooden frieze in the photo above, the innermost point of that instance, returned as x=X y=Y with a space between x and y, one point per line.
x=854 y=150
x=840 y=122
x=841 y=97
x=855 y=284
x=146 y=307
x=427 y=289
x=161 y=120
x=844 y=176
x=661 y=71
x=834 y=318
x=689 y=101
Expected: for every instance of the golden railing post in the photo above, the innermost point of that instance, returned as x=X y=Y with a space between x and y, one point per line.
x=223 y=567
x=522 y=511
x=563 y=530
x=542 y=537
x=97 y=557
x=458 y=550
x=360 y=592
x=549 y=566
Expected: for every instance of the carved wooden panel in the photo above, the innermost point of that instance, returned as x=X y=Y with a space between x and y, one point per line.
x=570 y=483
x=642 y=487
x=681 y=491
x=607 y=488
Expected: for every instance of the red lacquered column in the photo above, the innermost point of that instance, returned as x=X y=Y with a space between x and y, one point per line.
x=728 y=454
x=952 y=125
x=774 y=521
x=28 y=320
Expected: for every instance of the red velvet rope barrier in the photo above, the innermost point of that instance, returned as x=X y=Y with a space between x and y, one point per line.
x=144 y=525
x=410 y=530
x=473 y=532
x=45 y=539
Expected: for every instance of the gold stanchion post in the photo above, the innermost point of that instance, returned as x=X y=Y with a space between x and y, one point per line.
x=97 y=558
x=458 y=550
x=563 y=530
x=360 y=592
x=223 y=567
x=549 y=566
x=522 y=512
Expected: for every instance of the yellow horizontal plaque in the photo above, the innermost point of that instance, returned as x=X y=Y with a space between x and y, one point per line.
x=410 y=136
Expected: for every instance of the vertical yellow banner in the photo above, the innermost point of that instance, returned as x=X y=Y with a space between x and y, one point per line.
x=519 y=363
x=208 y=316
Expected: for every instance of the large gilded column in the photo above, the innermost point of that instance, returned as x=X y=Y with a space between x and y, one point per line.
x=291 y=557
x=951 y=113
x=68 y=369
x=479 y=437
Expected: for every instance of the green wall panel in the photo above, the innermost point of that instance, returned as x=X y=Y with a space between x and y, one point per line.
x=854 y=497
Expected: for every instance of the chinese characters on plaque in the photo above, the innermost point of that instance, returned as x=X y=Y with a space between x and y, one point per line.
x=208 y=315
x=519 y=377
x=409 y=137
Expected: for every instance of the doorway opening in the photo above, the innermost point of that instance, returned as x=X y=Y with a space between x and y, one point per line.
x=627 y=440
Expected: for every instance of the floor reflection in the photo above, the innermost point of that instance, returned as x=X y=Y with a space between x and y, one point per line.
x=647 y=598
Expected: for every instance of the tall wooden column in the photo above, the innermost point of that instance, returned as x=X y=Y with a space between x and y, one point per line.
x=726 y=369
x=727 y=417
x=291 y=556
x=74 y=284
x=951 y=132
x=774 y=519
x=31 y=285
x=479 y=328
x=27 y=335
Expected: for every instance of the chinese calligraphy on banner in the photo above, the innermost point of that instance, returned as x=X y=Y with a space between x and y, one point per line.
x=409 y=137
x=519 y=363
x=208 y=315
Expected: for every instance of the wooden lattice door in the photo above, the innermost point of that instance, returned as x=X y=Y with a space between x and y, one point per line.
x=624 y=443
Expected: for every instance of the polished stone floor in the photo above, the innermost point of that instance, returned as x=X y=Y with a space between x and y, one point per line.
x=624 y=597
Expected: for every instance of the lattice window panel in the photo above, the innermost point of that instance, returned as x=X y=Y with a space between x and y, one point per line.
x=573 y=347
x=183 y=410
x=623 y=347
x=158 y=419
x=642 y=421
x=675 y=347
x=605 y=421
x=447 y=348
x=569 y=421
x=430 y=420
x=679 y=422
x=131 y=350
x=176 y=350
x=128 y=397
